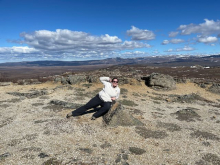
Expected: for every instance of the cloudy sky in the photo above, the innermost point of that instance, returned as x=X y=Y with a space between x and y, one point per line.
x=72 y=30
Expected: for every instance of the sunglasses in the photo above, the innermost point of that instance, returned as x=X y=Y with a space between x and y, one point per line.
x=115 y=81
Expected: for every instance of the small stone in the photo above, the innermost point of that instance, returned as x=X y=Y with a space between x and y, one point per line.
x=5 y=155
x=86 y=150
x=94 y=145
x=105 y=145
x=43 y=155
x=125 y=156
x=52 y=161
x=118 y=159
x=136 y=151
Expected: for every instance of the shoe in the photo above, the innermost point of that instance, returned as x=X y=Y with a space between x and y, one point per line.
x=93 y=118
x=69 y=115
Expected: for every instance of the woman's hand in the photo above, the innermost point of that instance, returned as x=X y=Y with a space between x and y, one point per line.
x=113 y=98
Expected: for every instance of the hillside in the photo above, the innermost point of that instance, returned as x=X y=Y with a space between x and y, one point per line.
x=178 y=66
x=171 y=60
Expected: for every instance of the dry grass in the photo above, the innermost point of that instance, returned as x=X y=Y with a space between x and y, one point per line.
x=30 y=129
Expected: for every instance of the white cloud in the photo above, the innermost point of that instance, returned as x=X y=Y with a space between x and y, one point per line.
x=72 y=41
x=66 y=40
x=19 y=53
x=18 y=50
x=134 y=54
x=156 y=52
x=206 y=28
x=67 y=44
x=169 y=50
x=165 y=42
x=185 y=48
x=140 y=34
x=132 y=45
x=173 y=41
x=176 y=41
x=207 y=40
x=173 y=34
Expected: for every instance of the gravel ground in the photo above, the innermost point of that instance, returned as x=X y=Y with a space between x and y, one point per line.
x=33 y=131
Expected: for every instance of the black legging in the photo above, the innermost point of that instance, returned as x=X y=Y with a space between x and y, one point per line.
x=93 y=103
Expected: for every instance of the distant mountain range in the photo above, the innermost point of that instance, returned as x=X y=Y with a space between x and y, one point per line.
x=172 y=60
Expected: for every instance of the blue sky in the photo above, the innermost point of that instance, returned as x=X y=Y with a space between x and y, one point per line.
x=97 y=29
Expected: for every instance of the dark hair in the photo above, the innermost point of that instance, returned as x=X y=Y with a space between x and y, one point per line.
x=115 y=78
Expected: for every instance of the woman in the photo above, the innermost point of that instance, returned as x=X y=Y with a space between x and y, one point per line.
x=109 y=93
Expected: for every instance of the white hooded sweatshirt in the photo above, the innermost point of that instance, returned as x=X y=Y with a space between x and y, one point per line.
x=108 y=91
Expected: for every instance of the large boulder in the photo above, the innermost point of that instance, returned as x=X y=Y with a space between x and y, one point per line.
x=215 y=88
x=57 y=79
x=76 y=79
x=92 y=79
x=162 y=81
x=130 y=81
x=119 y=116
x=64 y=80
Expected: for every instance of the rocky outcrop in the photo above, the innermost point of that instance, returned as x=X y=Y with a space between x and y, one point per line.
x=215 y=88
x=57 y=79
x=92 y=79
x=161 y=81
x=75 y=79
x=130 y=81
x=118 y=116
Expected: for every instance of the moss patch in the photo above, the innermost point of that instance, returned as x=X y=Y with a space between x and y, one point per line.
x=212 y=158
x=169 y=126
x=105 y=145
x=146 y=133
x=128 y=103
x=5 y=122
x=86 y=150
x=205 y=135
x=123 y=91
x=4 y=105
x=190 y=98
x=187 y=114
x=54 y=108
x=136 y=151
x=52 y=161
x=37 y=104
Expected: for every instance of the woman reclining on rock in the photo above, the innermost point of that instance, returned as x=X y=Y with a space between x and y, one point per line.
x=104 y=98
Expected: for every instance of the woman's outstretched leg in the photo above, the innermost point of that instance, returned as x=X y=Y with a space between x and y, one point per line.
x=104 y=109
x=94 y=102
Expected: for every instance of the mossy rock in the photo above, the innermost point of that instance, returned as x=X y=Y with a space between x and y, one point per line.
x=119 y=116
